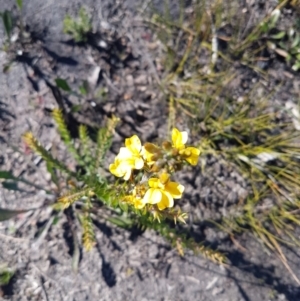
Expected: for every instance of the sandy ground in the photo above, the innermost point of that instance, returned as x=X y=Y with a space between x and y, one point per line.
x=123 y=265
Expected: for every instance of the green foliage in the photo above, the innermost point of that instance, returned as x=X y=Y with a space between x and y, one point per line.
x=11 y=181
x=62 y=84
x=84 y=186
x=34 y=144
x=7 y=22
x=238 y=133
x=88 y=235
x=243 y=134
x=86 y=154
x=181 y=239
x=285 y=43
x=62 y=127
x=270 y=23
x=104 y=139
x=78 y=29
x=269 y=34
x=19 y=4
x=6 y=175
x=5 y=276
x=71 y=197
x=84 y=88
x=64 y=132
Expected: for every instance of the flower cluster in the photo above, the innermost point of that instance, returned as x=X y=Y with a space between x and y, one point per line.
x=148 y=169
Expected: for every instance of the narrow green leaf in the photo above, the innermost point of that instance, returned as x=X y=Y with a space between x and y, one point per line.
x=296 y=66
x=120 y=222
x=84 y=88
x=274 y=18
x=55 y=220
x=62 y=84
x=7 y=21
x=124 y=207
x=52 y=172
x=82 y=91
x=295 y=42
x=5 y=277
x=278 y=36
x=264 y=27
x=10 y=185
x=288 y=58
x=20 y=4
x=4 y=174
x=6 y=214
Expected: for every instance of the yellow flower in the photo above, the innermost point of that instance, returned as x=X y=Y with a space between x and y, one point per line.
x=129 y=158
x=135 y=201
x=121 y=169
x=190 y=154
x=135 y=198
x=179 y=139
x=162 y=192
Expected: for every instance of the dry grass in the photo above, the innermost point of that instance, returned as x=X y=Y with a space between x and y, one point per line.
x=248 y=133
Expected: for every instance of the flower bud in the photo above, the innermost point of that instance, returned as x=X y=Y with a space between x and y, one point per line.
x=176 y=166
x=155 y=168
x=166 y=145
x=174 y=152
x=155 y=157
x=151 y=148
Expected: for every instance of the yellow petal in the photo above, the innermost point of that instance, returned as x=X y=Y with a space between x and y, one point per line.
x=113 y=168
x=152 y=196
x=124 y=154
x=187 y=153
x=164 y=178
x=195 y=151
x=130 y=162
x=116 y=169
x=138 y=203
x=138 y=163
x=154 y=182
x=121 y=169
x=166 y=201
x=193 y=158
x=179 y=139
x=146 y=154
x=175 y=189
x=127 y=174
x=133 y=144
x=134 y=161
